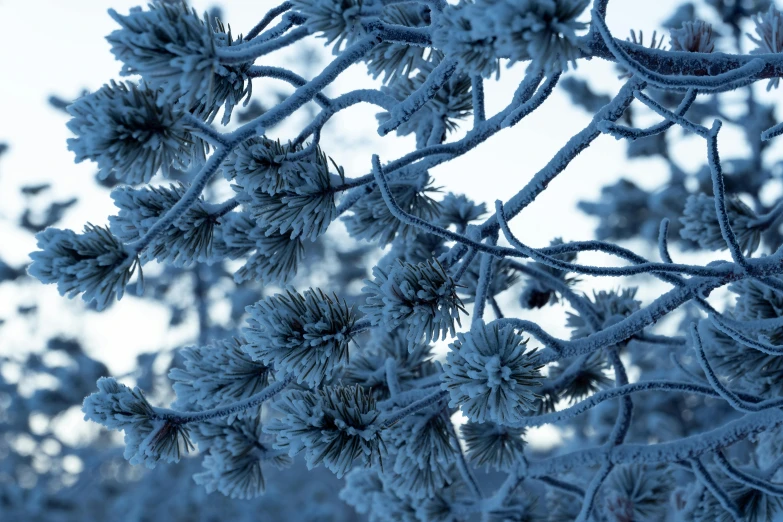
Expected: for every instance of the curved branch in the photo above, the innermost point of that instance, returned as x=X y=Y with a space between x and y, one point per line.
x=664 y=452
x=267 y=19
x=264 y=71
x=186 y=417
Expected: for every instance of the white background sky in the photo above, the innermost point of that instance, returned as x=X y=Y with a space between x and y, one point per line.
x=58 y=47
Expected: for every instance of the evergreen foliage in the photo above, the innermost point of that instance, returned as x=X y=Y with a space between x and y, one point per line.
x=677 y=421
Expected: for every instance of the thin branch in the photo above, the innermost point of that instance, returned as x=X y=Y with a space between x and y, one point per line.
x=264 y=71
x=718 y=492
x=250 y=52
x=477 y=91
x=672 y=116
x=403 y=111
x=663 y=452
x=622 y=391
x=484 y=282
x=751 y=481
x=186 y=417
x=414 y=407
x=267 y=19
x=723 y=81
x=719 y=195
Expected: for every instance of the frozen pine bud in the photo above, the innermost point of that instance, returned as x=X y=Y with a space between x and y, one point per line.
x=538 y=293
x=504 y=276
x=184 y=243
x=610 y=308
x=338 y=21
x=262 y=164
x=235 y=453
x=700 y=223
x=218 y=374
x=455 y=32
x=272 y=257
x=305 y=204
x=752 y=504
x=305 y=334
x=490 y=375
x=634 y=492
x=94 y=263
x=439 y=116
x=148 y=439
x=423 y=453
x=372 y=220
x=544 y=31
x=490 y=445
x=693 y=37
x=591 y=377
x=128 y=132
x=481 y=32
x=334 y=426
x=769 y=29
x=366 y=491
x=409 y=365
x=174 y=50
x=446 y=506
x=422 y=297
x=396 y=61
x=363 y=488
x=458 y=210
